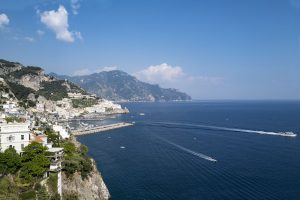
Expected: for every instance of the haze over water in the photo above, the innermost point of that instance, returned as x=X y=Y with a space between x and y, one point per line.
x=169 y=154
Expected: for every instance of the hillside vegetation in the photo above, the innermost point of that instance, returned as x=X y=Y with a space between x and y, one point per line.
x=23 y=81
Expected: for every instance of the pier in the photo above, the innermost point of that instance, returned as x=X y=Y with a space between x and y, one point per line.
x=97 y=129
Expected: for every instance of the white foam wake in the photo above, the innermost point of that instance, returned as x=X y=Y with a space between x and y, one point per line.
x=200 y=155
x=291 y=134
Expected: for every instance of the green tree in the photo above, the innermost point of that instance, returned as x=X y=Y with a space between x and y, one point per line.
x=10 y=161
x=83 y=149
x=35 y=163
x=69 y=148
x=33 y=149
x=54 y=138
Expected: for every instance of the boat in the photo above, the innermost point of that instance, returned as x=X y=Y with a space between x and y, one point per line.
x=142 y=114
x=288 y=134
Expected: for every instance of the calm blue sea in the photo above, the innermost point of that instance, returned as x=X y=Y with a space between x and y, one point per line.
x=169 y=152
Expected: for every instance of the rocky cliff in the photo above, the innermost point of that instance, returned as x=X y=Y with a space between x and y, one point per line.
x=92 y=188
x=27 y=80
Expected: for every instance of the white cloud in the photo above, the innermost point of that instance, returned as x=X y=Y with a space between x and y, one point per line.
x=57 y=21
x=86 y=71
x=168 y=76
x=4 y=20
x=40 y=32
x=82 y=72
x=78 y=35
x=29 y=39
x=75 y=6
x=158 y=73
x=106 y=69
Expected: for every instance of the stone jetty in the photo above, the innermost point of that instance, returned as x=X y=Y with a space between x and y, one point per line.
x=97 y=129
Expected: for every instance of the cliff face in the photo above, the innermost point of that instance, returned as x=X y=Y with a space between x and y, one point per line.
x=92 y=188
x=24 y=80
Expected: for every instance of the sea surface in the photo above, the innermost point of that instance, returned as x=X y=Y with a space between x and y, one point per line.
x=193 y=150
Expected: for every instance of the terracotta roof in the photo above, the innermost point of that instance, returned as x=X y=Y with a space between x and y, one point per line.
x=39 y=138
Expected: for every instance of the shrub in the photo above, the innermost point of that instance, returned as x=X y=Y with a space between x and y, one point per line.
x=52 y=183
x=71 y=196
x=86 y=167
x=28 y=195
x=8 y=188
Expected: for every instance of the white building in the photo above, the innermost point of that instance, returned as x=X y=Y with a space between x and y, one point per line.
x=95 y=109
x=14 y=135
x=75 y=95
x=10 y=107
x=62 y=131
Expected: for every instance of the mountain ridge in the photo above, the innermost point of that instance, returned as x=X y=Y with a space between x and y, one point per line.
x=118 y=85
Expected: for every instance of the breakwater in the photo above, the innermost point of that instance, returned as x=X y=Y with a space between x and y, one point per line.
x=97 y=129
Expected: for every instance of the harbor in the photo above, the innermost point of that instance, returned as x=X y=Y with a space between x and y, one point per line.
x=97 y=129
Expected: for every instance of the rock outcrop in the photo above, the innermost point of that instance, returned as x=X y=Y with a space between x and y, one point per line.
x=92 y=188
x=33 y=81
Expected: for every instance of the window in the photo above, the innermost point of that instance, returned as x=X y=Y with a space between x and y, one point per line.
x=22 y=137
x=22 y=146
x=10 y=138
x=10 y=146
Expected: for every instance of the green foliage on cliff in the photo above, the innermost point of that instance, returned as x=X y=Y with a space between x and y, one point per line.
x=21 y=92
x=8 y=188
x=25 y=103
x=28 y=195
x=42 y=194
x=54 y=90
x=8 y=63
x=71 y=196
x=25 y=71
x=76 y=160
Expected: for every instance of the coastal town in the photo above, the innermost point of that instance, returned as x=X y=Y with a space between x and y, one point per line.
x=46 y=126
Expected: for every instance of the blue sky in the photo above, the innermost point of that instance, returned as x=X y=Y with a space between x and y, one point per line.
x=216 y=49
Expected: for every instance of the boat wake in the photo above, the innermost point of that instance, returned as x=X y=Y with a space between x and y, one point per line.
x=209 y=127
x=200 y=155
